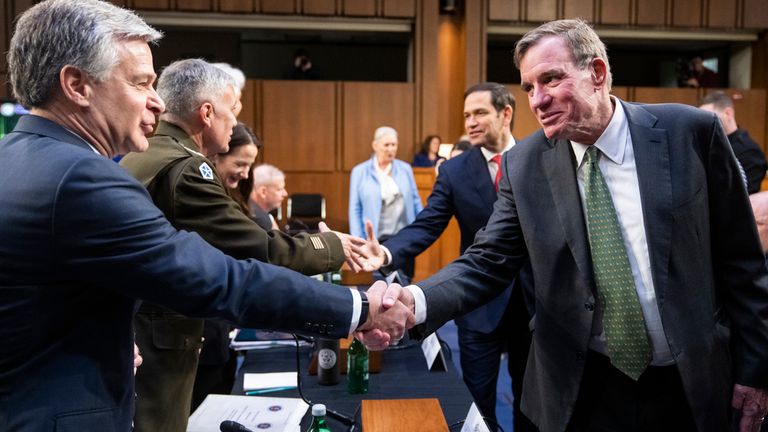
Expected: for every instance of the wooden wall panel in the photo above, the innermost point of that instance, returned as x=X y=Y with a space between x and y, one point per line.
x=5 y=92
x=579 y=9
x=194 y=5
x=6 y=21
x=368 y=105
x=504 y=10
x=359 y=7
x=299 y=124
x=662 y=95
x=429 y=261
x=621 y=92
x=319 y=7
x=121 y=3
x=525 y=120
x=755 y=14
x=686 y=13
x=152 y=4
x=450 y=81
x=248 y=99
x=475 y=42
x=399 y=8
x=278 y=6
x=541 y=10
x=721 y=13
x=651 y=12
x=246 y=6
x=428 y=61
x=615 y=12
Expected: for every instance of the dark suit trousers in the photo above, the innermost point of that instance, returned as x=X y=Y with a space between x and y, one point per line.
x=609 y=401
x=481 y=357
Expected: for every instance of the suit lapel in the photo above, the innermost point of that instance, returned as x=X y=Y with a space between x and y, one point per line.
x=561 y=174
x=477 y=173
x=651 y=148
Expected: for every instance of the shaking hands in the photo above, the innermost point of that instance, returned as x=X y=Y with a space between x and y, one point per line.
x=390 y=315
x=360 y=254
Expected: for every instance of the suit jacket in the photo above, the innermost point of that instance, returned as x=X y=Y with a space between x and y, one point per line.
x=365 y=194
x=81 y=242
x=463 y=189
x=708 y=269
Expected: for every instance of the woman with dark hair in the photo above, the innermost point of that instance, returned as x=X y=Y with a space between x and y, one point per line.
x=234 y=167
x=427 y=155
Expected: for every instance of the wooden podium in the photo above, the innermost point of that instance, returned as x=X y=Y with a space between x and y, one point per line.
x=394 y=415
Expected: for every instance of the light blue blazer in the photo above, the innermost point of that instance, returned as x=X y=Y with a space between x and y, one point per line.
x=365 y=194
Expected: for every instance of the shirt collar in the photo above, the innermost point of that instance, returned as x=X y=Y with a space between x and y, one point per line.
x=489 y=154
x=612 y=143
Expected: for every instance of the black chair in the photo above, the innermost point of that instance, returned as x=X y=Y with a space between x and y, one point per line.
x=304 y=213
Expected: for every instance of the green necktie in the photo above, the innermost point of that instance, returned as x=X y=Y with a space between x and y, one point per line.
x=622 y=317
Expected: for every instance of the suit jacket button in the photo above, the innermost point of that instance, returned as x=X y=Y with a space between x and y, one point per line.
x=589 y=306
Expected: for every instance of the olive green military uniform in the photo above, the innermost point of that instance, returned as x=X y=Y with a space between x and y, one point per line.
x=185 y=186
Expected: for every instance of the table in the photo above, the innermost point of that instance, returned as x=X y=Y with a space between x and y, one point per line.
x=404 y=375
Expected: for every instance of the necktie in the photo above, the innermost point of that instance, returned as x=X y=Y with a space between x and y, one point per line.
x=623 y=320
x=497 y=158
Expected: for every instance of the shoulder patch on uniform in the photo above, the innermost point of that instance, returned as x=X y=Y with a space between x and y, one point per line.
x=206 y=171
x=317 y=242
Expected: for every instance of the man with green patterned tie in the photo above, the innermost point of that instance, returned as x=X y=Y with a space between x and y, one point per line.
x=651 y=286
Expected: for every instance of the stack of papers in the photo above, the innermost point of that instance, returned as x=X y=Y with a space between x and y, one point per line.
x=256 y=413
x=248 y=339
x=259 y=383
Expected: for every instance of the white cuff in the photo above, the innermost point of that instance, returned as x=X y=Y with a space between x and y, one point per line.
x=420 y=303
x=388 y=254
x=357 y=305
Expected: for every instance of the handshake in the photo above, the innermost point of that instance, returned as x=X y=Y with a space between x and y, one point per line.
x=390 y=314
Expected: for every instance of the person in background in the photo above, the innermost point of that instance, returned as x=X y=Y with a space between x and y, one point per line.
x=239 y=78
x=700 y=75
x=747 y=151
x=82 y=242
x=302 y=69
x=458 y=148
x=427 y=155
x=267 y=194
x=217 y=362
x=383 y=191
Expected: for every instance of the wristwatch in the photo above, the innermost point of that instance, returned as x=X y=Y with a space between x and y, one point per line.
x=363 y=309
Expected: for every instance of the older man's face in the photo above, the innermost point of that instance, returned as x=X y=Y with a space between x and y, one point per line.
x=222 y=119
x=563 y=98
x=124 y=107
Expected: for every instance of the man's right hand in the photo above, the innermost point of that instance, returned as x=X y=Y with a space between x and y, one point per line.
x=390 y=316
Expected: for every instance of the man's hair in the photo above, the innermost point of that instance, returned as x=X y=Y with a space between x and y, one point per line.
x=578 y=35
x=184 y=85
x=266 y=175
x=500 y=97
x=86 y=34
x=236 y=73
x=719 y=99
x=383 y=131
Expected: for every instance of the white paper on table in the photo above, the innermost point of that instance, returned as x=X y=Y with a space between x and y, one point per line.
x=474 y=421
x=254 y=412
x=259 y=381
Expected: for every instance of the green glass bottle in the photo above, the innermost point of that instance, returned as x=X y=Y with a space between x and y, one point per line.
x=357 y=368
x=318 y=419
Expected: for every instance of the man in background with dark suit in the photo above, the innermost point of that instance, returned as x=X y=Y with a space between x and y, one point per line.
x=466 y=188
x=82 y=241
x=651 y=285
x=747 y=151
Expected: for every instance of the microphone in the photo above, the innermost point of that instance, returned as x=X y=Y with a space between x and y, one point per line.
x=232 y=426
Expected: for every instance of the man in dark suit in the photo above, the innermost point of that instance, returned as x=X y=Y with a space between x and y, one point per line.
x=747 y=151
x=651 y=286
x=81 y=239
x=466 y=188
